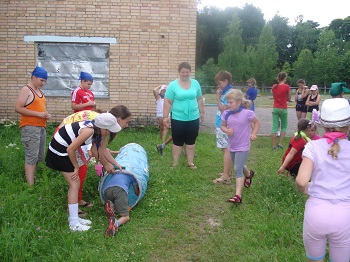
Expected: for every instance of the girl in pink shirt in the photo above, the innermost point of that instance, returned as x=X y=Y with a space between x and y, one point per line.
x=236 y=124
x=324 y=176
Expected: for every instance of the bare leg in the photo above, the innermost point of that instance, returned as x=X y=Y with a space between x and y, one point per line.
x=123 y=220
x=281 y=137
x=246 y=171
x=299 y=114
x=273 y=138
x=73 y=187
x=168 y=140
x=227 y=163
x=190 y=153
x=177 y=150
x=30 y=173
x=303 y=115
x=239 y=185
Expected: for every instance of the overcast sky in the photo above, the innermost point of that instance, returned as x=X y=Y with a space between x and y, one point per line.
x=322 y=12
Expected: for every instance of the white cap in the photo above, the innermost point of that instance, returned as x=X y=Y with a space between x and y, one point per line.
x=107 y=121
x=163 y=87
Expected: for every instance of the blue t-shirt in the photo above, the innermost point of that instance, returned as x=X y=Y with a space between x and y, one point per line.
x=120 y=180
x=224 y=102
x=252 y=93
x=185 y=105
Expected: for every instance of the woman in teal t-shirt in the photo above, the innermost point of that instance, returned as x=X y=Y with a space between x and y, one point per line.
x=183 y=98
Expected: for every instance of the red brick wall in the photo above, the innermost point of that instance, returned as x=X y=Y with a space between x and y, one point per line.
x=153 y=37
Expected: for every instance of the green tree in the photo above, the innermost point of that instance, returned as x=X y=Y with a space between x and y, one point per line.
x=265 y=60
x=327 y=59
x=252 y=23
x=233 y=59
x=283 y=32
x=304 y=67
x=304 y=37
x=211 y=28
x=344 y=68
x=205 y=75
x=341 y=28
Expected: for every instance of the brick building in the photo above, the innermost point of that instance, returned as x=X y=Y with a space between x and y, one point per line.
x=136 y=44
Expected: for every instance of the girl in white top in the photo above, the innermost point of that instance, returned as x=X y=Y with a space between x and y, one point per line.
x=324 y=176
x=159 y=93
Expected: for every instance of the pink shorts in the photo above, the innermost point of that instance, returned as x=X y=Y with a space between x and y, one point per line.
x=326 y=221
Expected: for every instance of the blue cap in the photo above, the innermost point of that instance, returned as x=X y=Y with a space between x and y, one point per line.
x=40 y=72
x=85 y=76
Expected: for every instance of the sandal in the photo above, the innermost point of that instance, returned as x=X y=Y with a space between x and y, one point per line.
x=81 y=214
x=248 y=180
x=236 y=199
x=192 y=166
x=87 y=205
x=221 y=180
x=220 y=175
x=280 y=146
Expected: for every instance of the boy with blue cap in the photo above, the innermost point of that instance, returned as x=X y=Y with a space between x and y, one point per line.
x=31 y=104
x=82 y=97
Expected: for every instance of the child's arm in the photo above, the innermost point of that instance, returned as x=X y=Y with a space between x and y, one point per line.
x=287 y=160
x=136 y=189
x=228 y=131
x=156 y=92
x=308 y=101
x=305 y=92
x=254 y=133
x=304 y=175
x=220 y=105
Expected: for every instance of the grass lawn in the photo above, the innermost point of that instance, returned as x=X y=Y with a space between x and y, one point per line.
x=183 y=216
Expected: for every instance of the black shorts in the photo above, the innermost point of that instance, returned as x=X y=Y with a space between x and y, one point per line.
x=60 y=163
x=301 y=108
x=184 y=132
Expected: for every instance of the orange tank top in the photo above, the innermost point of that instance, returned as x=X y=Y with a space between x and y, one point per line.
x=37 y=104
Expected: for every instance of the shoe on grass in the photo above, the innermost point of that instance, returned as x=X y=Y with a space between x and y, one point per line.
x=160 y=149
x=112 y=227
x=85 y=222
x=78 y=227
x=109 y=209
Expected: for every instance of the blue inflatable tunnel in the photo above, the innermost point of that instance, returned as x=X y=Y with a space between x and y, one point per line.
x=133 y=158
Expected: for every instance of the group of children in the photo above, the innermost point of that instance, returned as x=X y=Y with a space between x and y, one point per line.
x=86 y=130
x=235 y=119
x=306 y=99
x=322 y=174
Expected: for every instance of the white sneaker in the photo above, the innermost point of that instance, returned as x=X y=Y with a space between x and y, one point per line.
x=78 y=227
x=84 y=221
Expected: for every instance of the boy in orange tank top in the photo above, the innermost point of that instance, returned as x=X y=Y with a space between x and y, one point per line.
x=31 y=104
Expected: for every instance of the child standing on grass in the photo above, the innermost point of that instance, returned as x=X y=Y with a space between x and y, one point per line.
x=281 y=97
x=116 y=191
x=83 y=99
x=31 y=104
x=61 y=156
x=313 y=100
x=236 y=124
x=300 y=98
x=159 y=93
x=252 y=92
x=224 y=79
x=324 y=177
